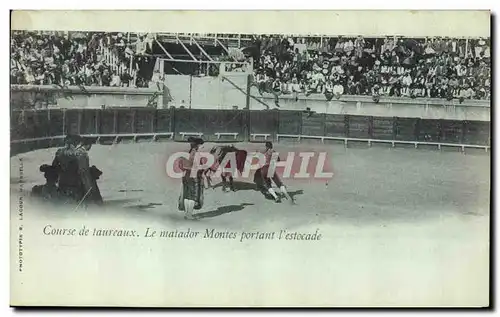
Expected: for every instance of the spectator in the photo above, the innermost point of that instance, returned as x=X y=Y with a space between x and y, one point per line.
x=348 y=47
x=359 y=45
x=338 y=90
x=467 y=92
x=140 y=46
x=376 y=93
x=407 y=81
x=428 y=68
x=29 y=77
x=126 y=79
x=295 y=86
x=155 y=80
x=129 y=53
x=400 y=67
x=73 y=58
x=115 y=80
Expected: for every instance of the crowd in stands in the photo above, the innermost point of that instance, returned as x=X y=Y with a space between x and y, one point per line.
x=75 y=58
x=391 y=66
x=431 y=67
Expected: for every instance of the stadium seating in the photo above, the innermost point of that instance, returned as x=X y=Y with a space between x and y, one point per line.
x=71 y=59
x=332 y=66
x=390 y=66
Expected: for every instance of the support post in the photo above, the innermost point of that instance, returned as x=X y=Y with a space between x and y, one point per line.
x=164 y=49
x=63 y=120
x=134 y=121
x=79 y=123
x=115 y=121
x=225 y=49
x=201 y=49
x=97 y=121
x=186 y=49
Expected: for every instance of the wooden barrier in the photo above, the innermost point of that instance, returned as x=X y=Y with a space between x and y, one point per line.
x=61 y=137
x=371 y=141
x=237 y=126
x=188 y=134
x=254 y=136
x=134 y=136
x=233 y=134
x=116 y=138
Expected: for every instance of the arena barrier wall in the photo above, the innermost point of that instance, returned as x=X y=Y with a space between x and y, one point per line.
x=474 y=110
x=220 y=92
x=230 y=92
x=42 y=97
x=33 y=129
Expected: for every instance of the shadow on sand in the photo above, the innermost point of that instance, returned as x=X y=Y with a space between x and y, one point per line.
x=252 y=186
x=222 y=210
x=143 y=206
x=240 y=186
x=292 y=194
x=118 y=202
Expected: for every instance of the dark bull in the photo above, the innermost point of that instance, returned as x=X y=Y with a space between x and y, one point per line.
x=220 y=152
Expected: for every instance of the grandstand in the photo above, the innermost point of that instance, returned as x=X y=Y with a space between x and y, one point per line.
x=281 y=65
x=386 y=88
x=403 y=124
x=421 y=106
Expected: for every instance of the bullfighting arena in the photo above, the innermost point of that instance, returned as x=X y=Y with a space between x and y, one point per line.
x=398 y=226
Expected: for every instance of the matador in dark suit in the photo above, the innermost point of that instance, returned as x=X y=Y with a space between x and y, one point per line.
x=71 y=164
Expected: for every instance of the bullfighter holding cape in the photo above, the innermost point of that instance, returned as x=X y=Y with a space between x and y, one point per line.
x=74 y=174
x=89 y=174
x=49 y=190
x=69 y=173
x=191 y=196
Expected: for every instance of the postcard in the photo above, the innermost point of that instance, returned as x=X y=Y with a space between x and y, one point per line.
x=250 y=158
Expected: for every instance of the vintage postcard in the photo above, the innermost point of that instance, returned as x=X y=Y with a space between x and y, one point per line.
x=250 y=159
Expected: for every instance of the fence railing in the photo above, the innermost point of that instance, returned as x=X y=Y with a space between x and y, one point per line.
x=43 y=96
x=119 y=66
x=240 y=125
x=232 y=92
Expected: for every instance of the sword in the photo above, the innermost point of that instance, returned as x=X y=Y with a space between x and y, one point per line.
x=81 y=201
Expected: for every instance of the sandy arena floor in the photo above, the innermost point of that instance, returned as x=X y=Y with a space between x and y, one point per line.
x=399 y=226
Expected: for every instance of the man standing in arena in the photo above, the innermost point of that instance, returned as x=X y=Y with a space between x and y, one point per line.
x=66 y=163
x=191 y=196
x=89 y=174
x=265 y=182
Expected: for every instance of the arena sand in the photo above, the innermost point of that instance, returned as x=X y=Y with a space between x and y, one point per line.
x=399 y=227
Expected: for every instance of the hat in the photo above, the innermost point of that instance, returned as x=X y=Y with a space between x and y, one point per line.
x=197 y=141
x=49 y=171
x=45 y=167
x=72 y=139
